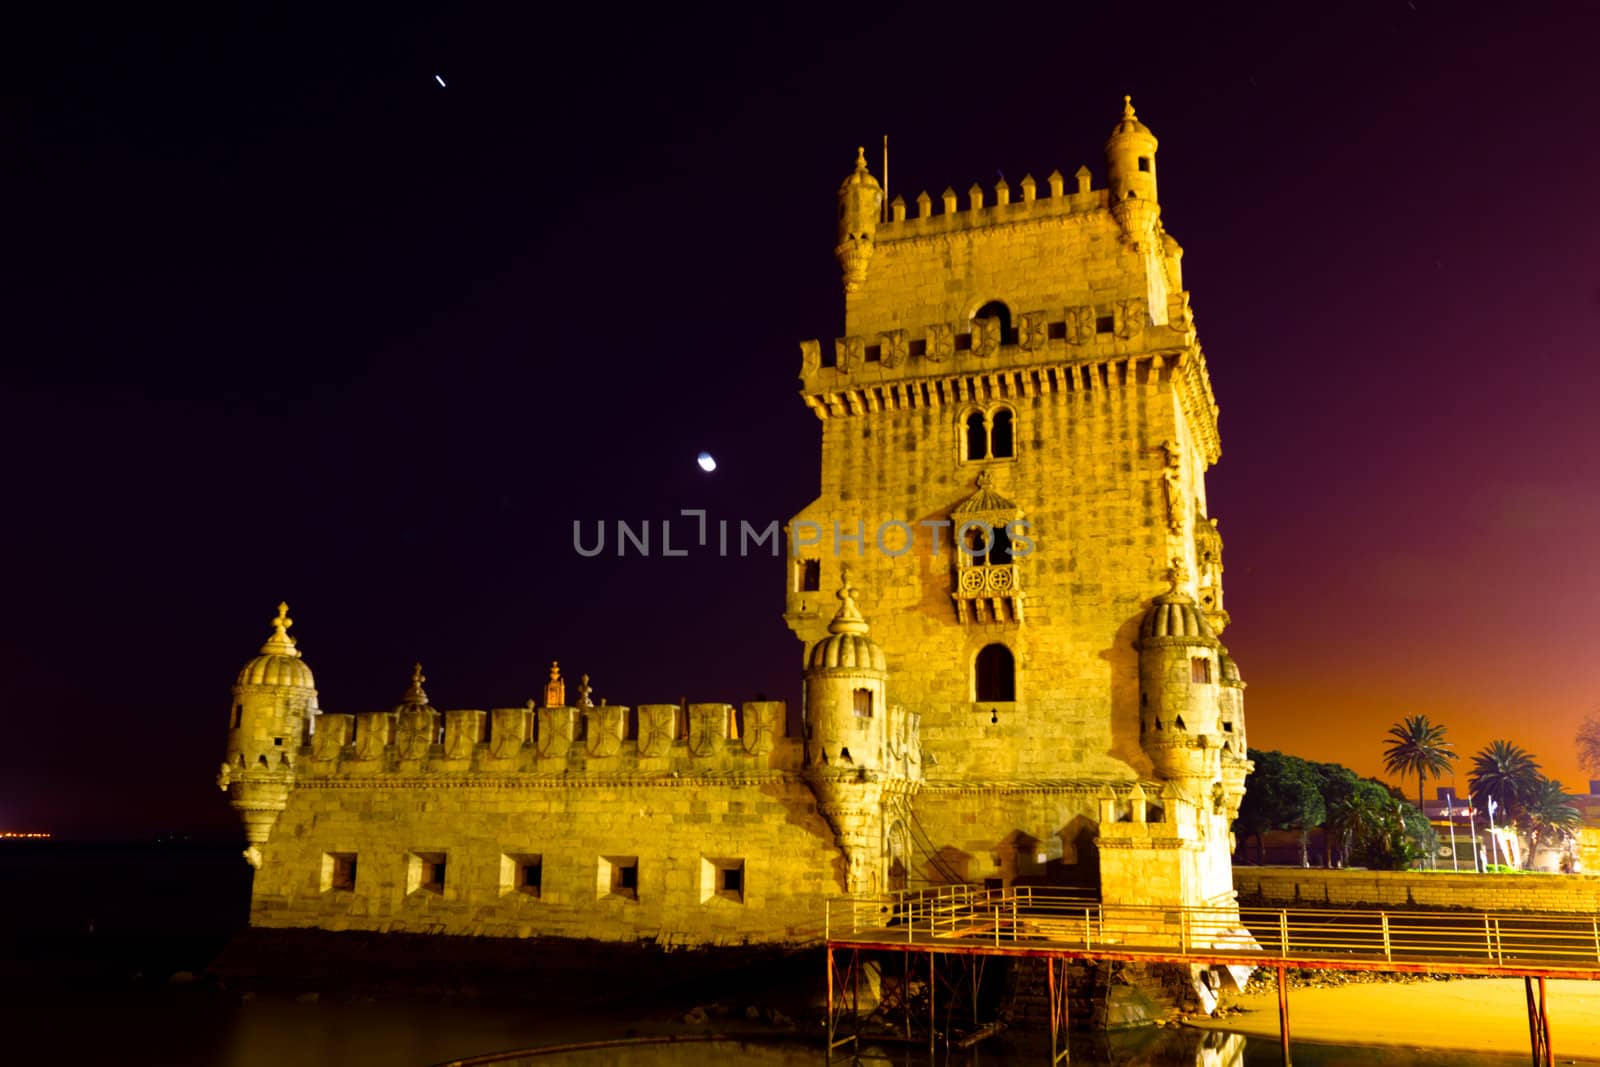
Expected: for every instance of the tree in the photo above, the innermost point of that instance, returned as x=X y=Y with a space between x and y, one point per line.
x=1337 y=784
x=1589 y=744
x=1507 y=774
x=1407 y=834
x=1549 y=816
x=1281 y=794
x=1355 y=819
x=1417 y=746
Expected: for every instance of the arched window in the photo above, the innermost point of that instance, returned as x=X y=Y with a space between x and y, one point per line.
x=975 y=544
x=1000 y=435
x=995 y=675
x=994 y=309
x=977 y=436
x=1000 y=551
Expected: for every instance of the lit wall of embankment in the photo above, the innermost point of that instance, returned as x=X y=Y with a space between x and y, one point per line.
x=1291 y=886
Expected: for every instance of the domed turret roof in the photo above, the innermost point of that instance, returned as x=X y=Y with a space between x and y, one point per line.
x=416 y=698
x=847 y=646
x=279 y=662
x=1129 y=123
x=861 y=175
x=1174 y=614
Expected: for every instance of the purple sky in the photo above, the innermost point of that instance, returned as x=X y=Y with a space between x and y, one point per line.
x=283 y=318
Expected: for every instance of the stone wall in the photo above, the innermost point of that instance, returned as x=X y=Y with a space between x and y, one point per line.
x=1287 y=886
x=678 y=835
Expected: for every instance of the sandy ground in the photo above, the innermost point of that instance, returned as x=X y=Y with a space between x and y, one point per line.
x=1485 y=1014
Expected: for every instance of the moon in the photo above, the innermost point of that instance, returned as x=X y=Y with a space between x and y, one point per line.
x=707 y=464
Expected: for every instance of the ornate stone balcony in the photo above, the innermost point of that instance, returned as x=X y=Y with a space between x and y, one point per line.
x=988 y=593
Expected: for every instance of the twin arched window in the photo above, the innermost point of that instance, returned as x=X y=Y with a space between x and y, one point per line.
x=989 y=434
x=985 y=544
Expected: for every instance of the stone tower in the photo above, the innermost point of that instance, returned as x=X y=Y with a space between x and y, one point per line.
x=1016 y=427
x=274 y=704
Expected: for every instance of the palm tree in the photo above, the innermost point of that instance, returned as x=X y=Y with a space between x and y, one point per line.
x=1417 y=746
x=1508 y=774
x=1549 y=815
x=1589 y=744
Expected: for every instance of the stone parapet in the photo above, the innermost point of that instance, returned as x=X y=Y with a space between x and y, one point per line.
x=606 y=741
x=1292 y=886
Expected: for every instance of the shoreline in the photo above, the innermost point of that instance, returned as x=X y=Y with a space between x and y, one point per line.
x=1487 y=1015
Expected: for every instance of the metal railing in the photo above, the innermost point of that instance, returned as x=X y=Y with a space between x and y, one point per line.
x=1038 y=918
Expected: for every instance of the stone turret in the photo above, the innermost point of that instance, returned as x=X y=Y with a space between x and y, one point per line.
x=1131 y=174
x=845 y=758
x=417 y=722
x=274 y=707
x=1179 y=723
x=860 y=207
x=1236 y=765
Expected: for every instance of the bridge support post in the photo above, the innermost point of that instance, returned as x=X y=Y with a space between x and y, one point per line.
x=905 y=989
x=1544 y=1022
x=1283 y=1014
x=1060 y=1047
x=831 y=1027
x=1538 y=1024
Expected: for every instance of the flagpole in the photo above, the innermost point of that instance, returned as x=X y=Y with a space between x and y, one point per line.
x=1451 y=812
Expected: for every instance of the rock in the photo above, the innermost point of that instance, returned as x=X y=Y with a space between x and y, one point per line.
x=695 y=1016
x=752 y=1013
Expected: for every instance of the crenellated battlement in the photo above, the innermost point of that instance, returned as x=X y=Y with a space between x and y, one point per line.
x=609 y=739
x=956 y=217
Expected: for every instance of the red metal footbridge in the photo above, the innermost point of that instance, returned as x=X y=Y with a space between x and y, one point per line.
x=969 y=924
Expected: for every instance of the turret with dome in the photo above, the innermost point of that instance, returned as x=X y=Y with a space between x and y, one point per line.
x=274 y=711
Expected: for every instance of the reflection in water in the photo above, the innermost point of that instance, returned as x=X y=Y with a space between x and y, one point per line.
x=1151 y=1048
x=207 y=1028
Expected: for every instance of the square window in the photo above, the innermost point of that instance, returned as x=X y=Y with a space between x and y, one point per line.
x=1144 y=164
x=861 y=701
x=425 y=872
x=721 y=877
x=618 y=877
x=1104 y=324
x=1200 y=671
x=338 y=871
x=522 y=872
x=808 y=575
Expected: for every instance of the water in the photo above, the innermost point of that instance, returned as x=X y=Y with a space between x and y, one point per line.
x=72 y=997
x=202 y=1027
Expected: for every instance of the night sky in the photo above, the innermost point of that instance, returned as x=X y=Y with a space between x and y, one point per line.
x=283 y=318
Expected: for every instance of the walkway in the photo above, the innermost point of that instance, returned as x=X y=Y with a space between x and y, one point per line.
x=1060 y=926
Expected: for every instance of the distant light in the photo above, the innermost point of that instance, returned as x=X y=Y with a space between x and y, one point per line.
x=707 y=464
x=440 y=79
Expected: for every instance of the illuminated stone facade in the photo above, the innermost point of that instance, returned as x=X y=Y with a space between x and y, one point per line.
x=1030 y=364
x=1015 y=431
